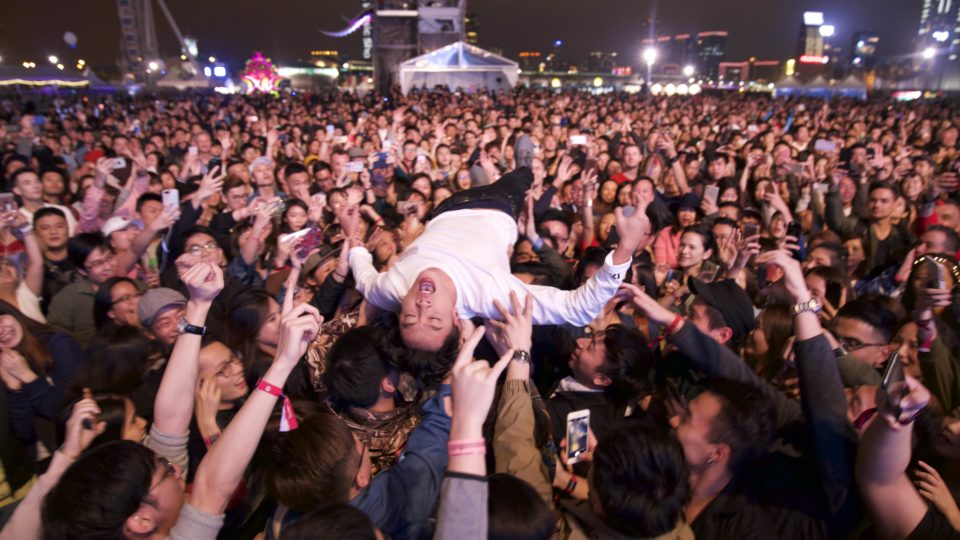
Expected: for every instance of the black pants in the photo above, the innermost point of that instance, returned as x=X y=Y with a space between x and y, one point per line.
x=506 y=194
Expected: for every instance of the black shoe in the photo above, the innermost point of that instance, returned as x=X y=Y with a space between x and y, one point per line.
x=524 y=151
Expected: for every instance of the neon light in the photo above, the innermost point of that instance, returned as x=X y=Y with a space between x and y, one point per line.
x=47 y=82
x=814 y=59
x=354 y=26
x=260 y=76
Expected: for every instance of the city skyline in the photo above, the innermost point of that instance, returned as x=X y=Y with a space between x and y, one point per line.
x=233 y=31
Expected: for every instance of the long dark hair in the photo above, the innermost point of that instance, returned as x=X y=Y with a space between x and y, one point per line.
x=113 y=411
x=247 y=314
x=33 y=345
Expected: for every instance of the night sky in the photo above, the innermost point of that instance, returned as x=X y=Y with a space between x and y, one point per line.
x=232 y=29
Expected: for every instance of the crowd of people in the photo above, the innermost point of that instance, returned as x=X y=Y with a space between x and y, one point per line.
x=336 y=315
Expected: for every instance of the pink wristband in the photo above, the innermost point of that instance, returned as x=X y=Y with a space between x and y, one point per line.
x=466 y=450
x=467 y=446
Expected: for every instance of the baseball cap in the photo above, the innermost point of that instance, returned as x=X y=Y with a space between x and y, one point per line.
x=117 y=223
x=729 y=299
x=155 y=301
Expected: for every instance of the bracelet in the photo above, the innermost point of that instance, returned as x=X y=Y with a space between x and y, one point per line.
x=64 y=454
x=208 y=441
x=288 y=419
x=673 y=325
x=923 y=322
x=466 y=447
x=343 y=277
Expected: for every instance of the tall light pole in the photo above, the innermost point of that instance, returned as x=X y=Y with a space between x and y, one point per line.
x=649 y=58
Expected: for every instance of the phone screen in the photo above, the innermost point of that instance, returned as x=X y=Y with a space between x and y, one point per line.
x=834 y=294
x=310 y=242
x=7 y=202
x=893 y=384
x=750 y=229
x=711 y=192
x=578 y=424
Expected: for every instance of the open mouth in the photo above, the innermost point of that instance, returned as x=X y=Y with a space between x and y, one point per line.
x=427 y=286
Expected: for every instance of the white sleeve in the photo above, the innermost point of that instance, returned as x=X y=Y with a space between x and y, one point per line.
x=582 y=305
x=377 y=288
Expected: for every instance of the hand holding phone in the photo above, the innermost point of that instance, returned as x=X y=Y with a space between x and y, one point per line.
x=578 y=428
x=170 y=198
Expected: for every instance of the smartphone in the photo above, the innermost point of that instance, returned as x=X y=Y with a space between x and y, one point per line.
x=409 y=208
x=941 y=278
x=770 y=188
x=590 y=164
x=893 y=385
x=311 y=240
x=7 y=202
x=711 y=193
x=353 y=166
x=834 y=294
x=795 y=230
x=673 y=275
x=708 y=271
x=578 y=140
x=578 y=425
x=751 y=229
x=253 y=118
x=329 y=129
x=119 y=163
x=290 y=236
x=193 y=150
x=170 y=198
x=823 y=145
x=795 y=168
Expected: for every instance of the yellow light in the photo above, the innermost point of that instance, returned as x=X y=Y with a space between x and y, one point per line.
x=554 y=83
x=60 y=66
x=791 y=67
x=183 y=57
x=11 y=82
x=81 y=61
x=212 y=59
x=597 y=82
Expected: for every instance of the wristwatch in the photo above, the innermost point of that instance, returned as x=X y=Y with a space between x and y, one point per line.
x=522 y=356
x=186 y=328
x=810 y=306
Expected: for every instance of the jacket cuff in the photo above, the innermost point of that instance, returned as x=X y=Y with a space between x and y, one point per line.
x=615 y=271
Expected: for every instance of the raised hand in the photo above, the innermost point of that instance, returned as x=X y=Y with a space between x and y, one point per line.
x=645 y=304
x=634 y=228
x=516 y=330
x=204 y=281
x=166 y=219
x=206 y=405
x=77 y=437
x=932 y=487
x=473 y=384
x=211 y=183
x=298 y=328
x=792 y=273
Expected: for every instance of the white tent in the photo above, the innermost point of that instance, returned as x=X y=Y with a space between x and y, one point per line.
x=459 y=65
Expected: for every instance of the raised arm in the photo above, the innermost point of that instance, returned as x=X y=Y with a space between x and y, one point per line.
x=173 y=406
x=25 y=522
x=22 y=229
x=128 y=259
x=222 y=468
x=882 y=461
x=464 y=491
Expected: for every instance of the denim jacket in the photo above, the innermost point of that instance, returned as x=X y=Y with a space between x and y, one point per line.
x=399 y=500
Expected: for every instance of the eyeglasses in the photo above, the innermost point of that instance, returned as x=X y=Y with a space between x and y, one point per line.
x=209 y=247
x=126 y=297
x=854 y=344
x=169 y=469
x=94 y=265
